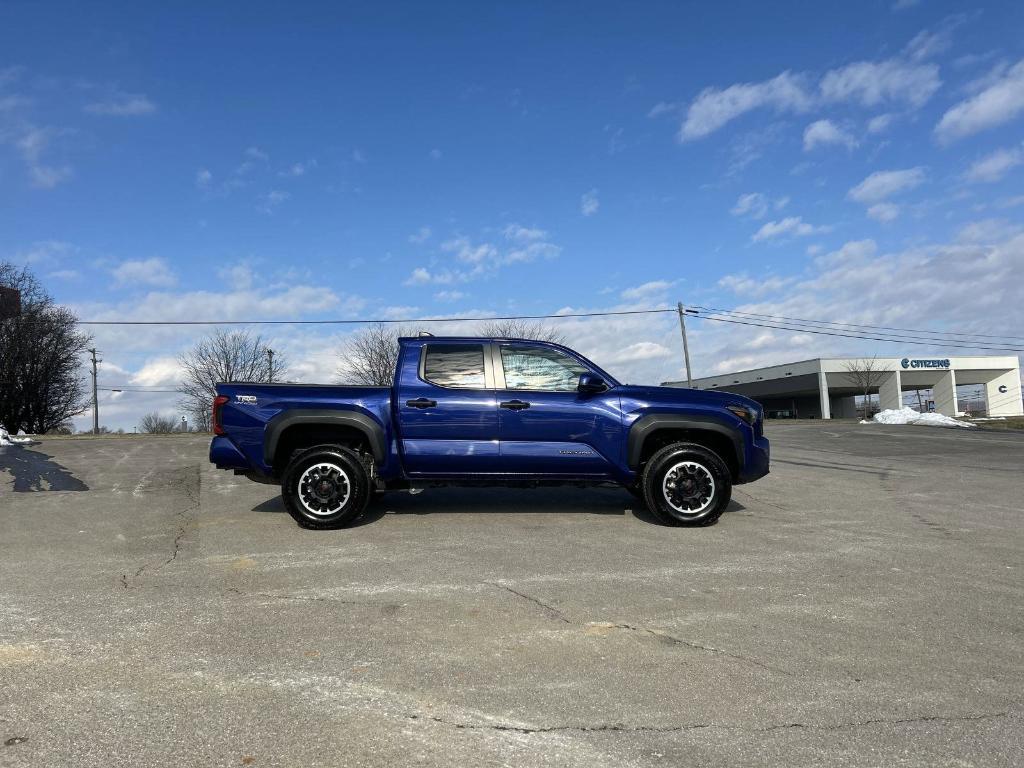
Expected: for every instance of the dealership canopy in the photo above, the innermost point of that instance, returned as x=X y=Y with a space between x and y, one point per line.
x=825 y=387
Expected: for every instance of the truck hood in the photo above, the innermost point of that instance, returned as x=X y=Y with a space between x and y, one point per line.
x=684 y=396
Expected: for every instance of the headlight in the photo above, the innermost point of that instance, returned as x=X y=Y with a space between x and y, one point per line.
x=749 y=415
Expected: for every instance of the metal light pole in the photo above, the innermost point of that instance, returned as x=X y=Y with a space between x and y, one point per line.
x=686 y=346
x=270 y=358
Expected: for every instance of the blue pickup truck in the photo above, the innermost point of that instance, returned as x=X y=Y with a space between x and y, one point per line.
x=483 y=411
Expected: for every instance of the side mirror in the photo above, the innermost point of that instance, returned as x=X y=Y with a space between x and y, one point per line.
x=591 y=383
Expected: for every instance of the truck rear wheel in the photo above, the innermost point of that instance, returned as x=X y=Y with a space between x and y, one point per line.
x=325 y=487
x=686 y=484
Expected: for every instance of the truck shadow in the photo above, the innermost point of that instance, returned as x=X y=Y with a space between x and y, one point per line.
x=547 y=501
x=35 y=471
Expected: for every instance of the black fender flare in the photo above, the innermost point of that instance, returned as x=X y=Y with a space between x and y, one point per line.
x=652 y=422
x=373 y=431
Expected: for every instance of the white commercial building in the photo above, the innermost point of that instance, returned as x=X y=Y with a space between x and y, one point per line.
x=825 y=388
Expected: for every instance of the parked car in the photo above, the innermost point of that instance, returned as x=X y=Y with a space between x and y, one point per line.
x=483 y=411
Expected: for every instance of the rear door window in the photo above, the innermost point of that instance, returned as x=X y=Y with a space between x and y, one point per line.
x=456 y=366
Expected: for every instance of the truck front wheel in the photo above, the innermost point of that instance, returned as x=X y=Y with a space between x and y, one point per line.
x=686 y=484
x=325 y=487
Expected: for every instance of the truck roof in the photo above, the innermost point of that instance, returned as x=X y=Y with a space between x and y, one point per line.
x=473 y=339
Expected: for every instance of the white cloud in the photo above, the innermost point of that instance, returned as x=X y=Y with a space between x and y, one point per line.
x=884 y=212
x=648 y=291
x=589 y=203
x=45 y=251
x=420 y=276
x=122 y=105
x=449 y=296
x=143 y=272
x=865 y=83
x=880 y=123
x=466 y=251
x=298 y=169
x=988 y=231
x=752 y=204
x=435 y=154
x=664 y=108
x=902 y=5
x=358 y=156
x=791 y=226
x=519 y=233
x=238 y=277
x=882 y=184
x=636 y=352
x=64 y=274
x=998 y=103
x=269 y=202
x=475 y=260
x=156 y=372
x=824 y=132
x=870 y=83
x=715 y=107
x=420 y=236
x=994 y=166
x=851 y=252
x=931 y=42
x=744 y=285
x=203 y=178
x=32 y=144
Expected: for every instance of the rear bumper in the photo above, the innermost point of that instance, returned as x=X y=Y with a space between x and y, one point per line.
x=225 y=454
x=757 y=461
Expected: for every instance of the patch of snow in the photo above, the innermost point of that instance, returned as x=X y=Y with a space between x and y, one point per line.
x=910 y=416
x=6 y=439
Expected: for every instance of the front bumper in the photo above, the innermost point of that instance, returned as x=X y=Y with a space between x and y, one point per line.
x=757 y=461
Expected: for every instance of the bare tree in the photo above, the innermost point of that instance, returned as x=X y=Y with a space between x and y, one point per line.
x=521 y=329
x=224 y=356
x=866 y=374
x=40 y=359
x=155 y=424
x=369 y=355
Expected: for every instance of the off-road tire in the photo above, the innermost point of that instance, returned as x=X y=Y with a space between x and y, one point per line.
x=325 y=486
x=698 y=490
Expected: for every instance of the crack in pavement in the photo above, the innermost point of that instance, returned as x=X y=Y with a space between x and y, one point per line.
x=188 y=479
x=671 y=640
x=663 y=637
x=551 y=611
x=625 y=728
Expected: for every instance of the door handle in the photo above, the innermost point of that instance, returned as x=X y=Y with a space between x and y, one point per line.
x=421 y=402
x=514 y=405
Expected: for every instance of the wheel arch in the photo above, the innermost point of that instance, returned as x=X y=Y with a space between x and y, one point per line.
x=654 y=431
x=292 y=429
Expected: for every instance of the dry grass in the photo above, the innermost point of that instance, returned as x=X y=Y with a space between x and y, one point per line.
x=1010 y=422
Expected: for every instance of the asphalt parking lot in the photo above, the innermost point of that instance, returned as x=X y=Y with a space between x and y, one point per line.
x=859 y=606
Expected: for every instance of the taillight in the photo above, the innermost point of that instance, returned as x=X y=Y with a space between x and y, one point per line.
x=218 y=404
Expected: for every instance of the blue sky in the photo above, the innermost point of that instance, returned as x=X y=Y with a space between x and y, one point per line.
x=859 y=162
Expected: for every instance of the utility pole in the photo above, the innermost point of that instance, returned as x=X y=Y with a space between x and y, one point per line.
x=270 y=358
x=95 y=397
x=686 y=346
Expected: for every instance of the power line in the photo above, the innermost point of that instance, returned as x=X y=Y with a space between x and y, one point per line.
x=388 y=321
x=859 y=325
x=907 y=341
x=138 y=391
